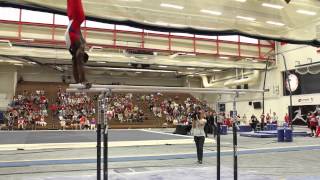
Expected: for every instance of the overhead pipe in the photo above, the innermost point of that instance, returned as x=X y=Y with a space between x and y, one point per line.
x=205 y=82
x=252 y=79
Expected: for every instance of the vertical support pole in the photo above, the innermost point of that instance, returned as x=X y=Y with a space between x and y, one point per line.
x=218 y=138
x=114 y=36
x=239 y=49
x=20 y=24
x=264 y=87
x=290 y=91
x=85 y=30
x=142 y=39
x=259 y=49
x=169 y=41
x=105 y=138
x=217 y=44
x=235 y=140
x=218 y=149
x=194 y=44
x=105 y=153
x=99 y=141
x=53 y=27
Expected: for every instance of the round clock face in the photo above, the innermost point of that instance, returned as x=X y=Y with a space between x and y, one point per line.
x=294 y=82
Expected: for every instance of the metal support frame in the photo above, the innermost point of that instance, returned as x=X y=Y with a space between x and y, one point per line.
x=99 y=141
x=290 y=91
x=216 y=43
x=102 y=129
x=218 y=150
x=264 y=87
x=105 y=138
x=218 y=138
x=235 y=139
x=122 y=88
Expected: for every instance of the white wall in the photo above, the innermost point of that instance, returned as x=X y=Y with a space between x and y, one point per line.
x=294 y=53
x=8 y=82
x=274 y=99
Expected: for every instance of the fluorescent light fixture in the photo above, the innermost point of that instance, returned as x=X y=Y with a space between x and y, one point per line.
x=133 y=69
x=138 y=72
x=217 y=13
x=27 y=39
x=13 y=61
x=191 y=68
x=32 y=63
x=161 y=23
x=101 y=62
x=171 y=6
x=241 y=0
x=275 y=6
x=216 y=70
x=16 y=64
x=162 y=66
x=310 y=13
x=246 y=18
x=275 y=23
x=224 y=57
x=191 y=54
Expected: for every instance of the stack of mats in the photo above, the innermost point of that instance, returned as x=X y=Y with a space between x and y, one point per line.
x=271 y=134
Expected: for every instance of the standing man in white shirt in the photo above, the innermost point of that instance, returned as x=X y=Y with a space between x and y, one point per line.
x=198 y=124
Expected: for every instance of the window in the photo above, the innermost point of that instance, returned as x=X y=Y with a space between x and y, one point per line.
x=10 y=14
x=182 y=34
x=36 y=17
x=229 y=38
x=156 y=32
x=128 y=28
x=61 y=20
x=248 y=40
x=100 y=25
x=206 y=37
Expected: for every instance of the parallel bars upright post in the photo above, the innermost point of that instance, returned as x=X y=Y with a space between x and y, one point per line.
x=235 y=140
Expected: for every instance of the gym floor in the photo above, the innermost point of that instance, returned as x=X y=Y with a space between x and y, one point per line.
x=152 y=154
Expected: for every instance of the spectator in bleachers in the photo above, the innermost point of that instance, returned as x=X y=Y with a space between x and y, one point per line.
x=75 y=107
x=275 y=118
x=93 y=123
x=21 y=123
x=268 y=119
x=27 y=105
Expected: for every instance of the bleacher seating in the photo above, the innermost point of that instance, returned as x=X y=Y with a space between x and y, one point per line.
x=149 y=119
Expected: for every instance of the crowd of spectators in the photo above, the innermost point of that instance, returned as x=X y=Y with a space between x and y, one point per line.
x=76 y=110
x=28 y=109
x=122 y=108
x=175 y=110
